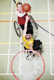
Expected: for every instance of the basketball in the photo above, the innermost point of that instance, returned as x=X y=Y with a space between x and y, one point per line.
x=26 y=7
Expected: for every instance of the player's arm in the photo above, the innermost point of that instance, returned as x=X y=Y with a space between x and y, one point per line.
x=25 y=26
x=31 y=47
x=20 y=14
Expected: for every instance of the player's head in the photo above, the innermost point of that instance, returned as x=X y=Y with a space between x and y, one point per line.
x=19 y=6
x=28 y=36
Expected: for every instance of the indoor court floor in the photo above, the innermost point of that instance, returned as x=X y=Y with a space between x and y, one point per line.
x=43 y=13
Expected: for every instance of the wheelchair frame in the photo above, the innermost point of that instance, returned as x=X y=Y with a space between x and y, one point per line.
x=18 y=29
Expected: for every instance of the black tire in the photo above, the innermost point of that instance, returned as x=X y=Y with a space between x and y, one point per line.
x=35 y=27
x=18 y=29
x=33 y=21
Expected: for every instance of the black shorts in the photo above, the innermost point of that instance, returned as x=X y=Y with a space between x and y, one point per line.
x=29 y=28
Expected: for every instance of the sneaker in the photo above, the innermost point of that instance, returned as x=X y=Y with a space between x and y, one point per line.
x=27 y=56
x=33 y=55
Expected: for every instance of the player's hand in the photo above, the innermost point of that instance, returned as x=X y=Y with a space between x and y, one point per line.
x=24 y=12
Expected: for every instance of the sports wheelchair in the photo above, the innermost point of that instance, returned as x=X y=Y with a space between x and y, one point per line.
x=19 y=31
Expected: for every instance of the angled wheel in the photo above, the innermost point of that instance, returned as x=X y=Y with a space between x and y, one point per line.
x=33 y=21
x=18 y=29
x=35 y=27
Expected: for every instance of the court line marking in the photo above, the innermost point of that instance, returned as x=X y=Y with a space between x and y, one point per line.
x=8 y=74
x=20 y=48
x=8 y=54
x=9 y=38
x=7 y=21
x=20 y=54
x=10 y=43
x=32 y=13
x=49 y=38
x=42 y=12
x=52 y=74
x=16 y=3
x=20 y=43
x=52 y=54
x=35 y=20
x=22 y=1
x=8 y=13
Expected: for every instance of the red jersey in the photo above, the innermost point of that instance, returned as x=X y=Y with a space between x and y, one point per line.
x=21 y=20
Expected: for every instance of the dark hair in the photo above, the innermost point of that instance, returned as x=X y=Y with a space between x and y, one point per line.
x=18 y=3
x=26 y=37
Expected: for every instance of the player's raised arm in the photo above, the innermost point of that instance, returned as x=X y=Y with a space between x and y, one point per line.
x=25 y=26
x=31 y=46
x=20 y=14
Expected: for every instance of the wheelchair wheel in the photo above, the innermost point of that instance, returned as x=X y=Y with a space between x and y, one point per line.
x=35 y=27
x=33 y=21
x=18 y=29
